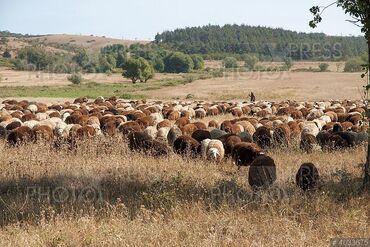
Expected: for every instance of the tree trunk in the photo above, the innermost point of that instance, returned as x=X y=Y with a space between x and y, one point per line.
x=367 y=164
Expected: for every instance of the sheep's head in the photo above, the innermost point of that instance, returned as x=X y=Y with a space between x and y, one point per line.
x=213 y=154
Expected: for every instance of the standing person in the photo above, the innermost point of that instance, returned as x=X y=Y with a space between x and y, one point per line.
x=252 y=97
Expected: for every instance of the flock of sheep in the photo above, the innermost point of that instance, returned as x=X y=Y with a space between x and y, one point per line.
x=158 y=128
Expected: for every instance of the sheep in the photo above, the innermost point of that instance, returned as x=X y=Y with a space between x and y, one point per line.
x=307 y=177
x=243 y=153
x=308 y=143
x=20 y=136
x=3 y=133
x=201 y=135
x=43 y=133
x=173 y=134
x=216 y=133
x=162 y=134
x=263 y=137
x=310 y=127
x=187 y=146
x=189 y=129
x=262 y=172
x=151 y=131
x=215 y=150
x=230 y=143
x=203 y=148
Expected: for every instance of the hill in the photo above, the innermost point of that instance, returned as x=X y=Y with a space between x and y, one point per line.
x=267 y=43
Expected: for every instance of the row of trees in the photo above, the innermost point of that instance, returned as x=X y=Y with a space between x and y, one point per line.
x=137 y=62
x=266 y=43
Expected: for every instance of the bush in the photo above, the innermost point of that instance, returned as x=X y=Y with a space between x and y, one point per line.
x=354 y=65
x=250 y=61
x=230 y=62
x=7 y=54
x=288 y=63
x=75 y=78
x=178 y=62
x=323 y=67
x=198 y=62
x=158 y=64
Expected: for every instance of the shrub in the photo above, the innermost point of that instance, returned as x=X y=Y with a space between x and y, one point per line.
x=198 y=62
x=7 y=54
x=230 y=62
x=288 y=63
x=178 y=62
x=75 y=78
x=354 y=65
x=250 y=61
x=323 y=67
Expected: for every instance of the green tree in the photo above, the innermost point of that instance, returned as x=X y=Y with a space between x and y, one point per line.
x=230 y=62
x=146 y=70
x=36 y=56
x=81 y=58
x=250 y=61
x=198 y=62
x=359 y=10
x=323 y=67
x=7 y=54
x=158 y=64
x=178 y=62
x=138 y=69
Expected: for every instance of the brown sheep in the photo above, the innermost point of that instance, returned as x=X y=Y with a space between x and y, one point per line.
x=173 y=115
x=181 y=122
x=85 y=132
x=307 y=177
x=263 y=137
x=20 y=135
x=262 y=172
x=164 y=123
x=230 y=143
x=200 y=125
x=213 y=124
x=308 y=143
x=189 y=129
x=43 y=133
x=212 y=111
x=129 y=127
x=145 y=121
x=173 y=134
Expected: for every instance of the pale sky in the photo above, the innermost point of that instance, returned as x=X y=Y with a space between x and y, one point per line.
x=142 y=19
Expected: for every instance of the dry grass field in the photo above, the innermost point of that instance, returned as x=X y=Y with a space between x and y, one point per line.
x=104 y=195
x=301 y=86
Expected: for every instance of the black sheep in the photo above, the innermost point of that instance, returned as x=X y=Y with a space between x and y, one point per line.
x=3 y=132
x=187 y=146
x=262 y=172
x=307 y=177
x=201 y=135
x=244 y=153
